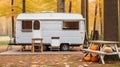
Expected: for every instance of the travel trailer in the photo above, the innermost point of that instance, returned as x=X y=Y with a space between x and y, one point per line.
x=56 y=29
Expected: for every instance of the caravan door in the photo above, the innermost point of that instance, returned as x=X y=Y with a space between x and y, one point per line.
x=36 y=29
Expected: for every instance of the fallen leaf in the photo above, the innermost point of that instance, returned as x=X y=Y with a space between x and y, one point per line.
x=85 y=65
x=80 y=66
x=67 y=66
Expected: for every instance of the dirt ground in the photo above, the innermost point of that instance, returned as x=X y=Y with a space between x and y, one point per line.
x=49 y=60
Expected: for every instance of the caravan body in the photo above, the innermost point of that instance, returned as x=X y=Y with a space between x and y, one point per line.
x=68 y=28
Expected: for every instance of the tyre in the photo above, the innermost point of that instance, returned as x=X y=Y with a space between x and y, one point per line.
x=64 y=47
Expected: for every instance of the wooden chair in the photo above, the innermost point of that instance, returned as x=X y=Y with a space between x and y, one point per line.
x=37 y=42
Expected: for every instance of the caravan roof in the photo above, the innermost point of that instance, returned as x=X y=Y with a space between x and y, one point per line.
x=49 y=16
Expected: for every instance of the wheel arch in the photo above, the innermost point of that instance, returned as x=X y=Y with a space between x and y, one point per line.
x=64 y=44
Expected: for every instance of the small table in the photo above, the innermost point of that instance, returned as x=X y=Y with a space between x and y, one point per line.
x=100 y=52
x=40 y=44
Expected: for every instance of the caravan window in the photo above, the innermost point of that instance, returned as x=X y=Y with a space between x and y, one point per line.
x=70 y=25
x=27 y=26
x=36 y=25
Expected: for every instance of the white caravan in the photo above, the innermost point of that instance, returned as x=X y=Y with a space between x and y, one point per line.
x=68 y=29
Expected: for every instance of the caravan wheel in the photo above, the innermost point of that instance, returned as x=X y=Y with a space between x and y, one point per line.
x=64 y=47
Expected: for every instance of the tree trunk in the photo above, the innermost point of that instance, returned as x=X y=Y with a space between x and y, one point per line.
x=111 y=20
x=23 y=6
x=12 y=18
x=84 y=11
x=70 y=7
x=60 y=6
x=83 y=8
x=119 y=21
x=101 y=18
x=95 y=36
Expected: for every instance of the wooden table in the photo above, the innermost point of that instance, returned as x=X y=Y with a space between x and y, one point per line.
x=40 y=45
x=100 y=52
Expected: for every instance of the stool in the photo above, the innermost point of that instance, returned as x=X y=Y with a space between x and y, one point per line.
x=38 y=43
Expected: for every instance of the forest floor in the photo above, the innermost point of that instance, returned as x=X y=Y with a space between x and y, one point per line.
x=49 y=60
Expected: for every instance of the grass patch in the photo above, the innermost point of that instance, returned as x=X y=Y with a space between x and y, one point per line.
x=116 y=65
x=4 y=43
x=101 y=37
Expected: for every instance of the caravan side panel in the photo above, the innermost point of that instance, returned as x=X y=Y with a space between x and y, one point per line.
x=50 y=29
x=22 y=37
